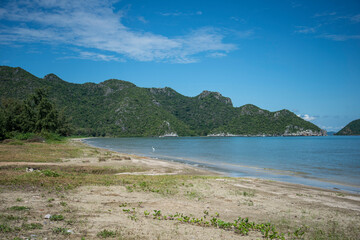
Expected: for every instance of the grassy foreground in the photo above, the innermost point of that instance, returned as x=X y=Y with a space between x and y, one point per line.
x=77 y=192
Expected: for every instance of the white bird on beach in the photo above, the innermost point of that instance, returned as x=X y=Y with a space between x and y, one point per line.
x=153 y=149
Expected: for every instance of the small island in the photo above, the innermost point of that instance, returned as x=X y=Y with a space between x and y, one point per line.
x=353 y=128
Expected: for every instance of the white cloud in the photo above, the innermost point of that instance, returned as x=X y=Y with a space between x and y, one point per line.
x=93 y=24
x=306 y=117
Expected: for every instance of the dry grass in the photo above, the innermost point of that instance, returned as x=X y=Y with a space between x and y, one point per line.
x=38 y=152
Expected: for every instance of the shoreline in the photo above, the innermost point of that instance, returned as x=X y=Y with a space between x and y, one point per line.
x=258 y=172
x=134 y=197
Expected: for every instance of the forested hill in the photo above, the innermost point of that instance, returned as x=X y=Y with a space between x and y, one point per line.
x=353 y=128
x=120 y=108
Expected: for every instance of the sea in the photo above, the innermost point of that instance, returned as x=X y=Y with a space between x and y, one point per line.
x=331 y=162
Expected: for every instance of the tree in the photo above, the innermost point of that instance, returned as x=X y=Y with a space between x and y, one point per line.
x=37 y=114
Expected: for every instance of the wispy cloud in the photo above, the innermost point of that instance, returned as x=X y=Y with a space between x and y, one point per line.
x=237 y=19
x=331 y=128
x=324 y=14
x=97 y=56
x=334 y=16
x=243 y=34
x=295 y=4
x=355 y=18
x=306 y=117
x=142 y=19
x=177 y=13
x=305 y=29
x=217 y=55
x=332 y=20
x=93 y=24
x=339 y=37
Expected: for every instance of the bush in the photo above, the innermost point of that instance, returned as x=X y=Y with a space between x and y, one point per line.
x=24 y=136
x=51 y=137
x=50 y=173
x=106 y=233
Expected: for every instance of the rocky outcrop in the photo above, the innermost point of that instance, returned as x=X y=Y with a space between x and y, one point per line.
x=216 y=95
x=297 y=131
x=164 y=91
x=171 y=134
x=306 y=132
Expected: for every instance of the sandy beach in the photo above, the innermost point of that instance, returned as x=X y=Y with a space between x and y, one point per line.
x=101 y=194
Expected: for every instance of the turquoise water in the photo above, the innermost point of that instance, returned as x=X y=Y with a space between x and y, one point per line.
x=328 y=162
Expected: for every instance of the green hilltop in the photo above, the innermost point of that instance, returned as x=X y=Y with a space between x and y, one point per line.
x=353 y=128
x=120 y=108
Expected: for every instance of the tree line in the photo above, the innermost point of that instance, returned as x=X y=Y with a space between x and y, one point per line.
x=37 y=114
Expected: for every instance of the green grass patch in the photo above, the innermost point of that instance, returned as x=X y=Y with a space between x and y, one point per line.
x=19 y=208
x=50 y=173
x=57 y=218
x=60 y=230
x=4 y=228
x=15 y=142
x=70 y=177
x=107 y=234
x=32 y=226
x=250 y=193
x=11 y=217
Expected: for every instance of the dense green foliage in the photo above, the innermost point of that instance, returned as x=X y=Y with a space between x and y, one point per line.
x=36 y=114
x=251 y=120
x=353 y=128
x=119 y=108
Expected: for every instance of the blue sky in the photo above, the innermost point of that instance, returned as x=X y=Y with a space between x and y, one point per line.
x=299 y=55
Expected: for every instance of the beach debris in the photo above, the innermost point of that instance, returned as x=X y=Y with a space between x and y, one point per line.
x=69 y=231
x=29 y=169
x=47 y=216
x=121 y=158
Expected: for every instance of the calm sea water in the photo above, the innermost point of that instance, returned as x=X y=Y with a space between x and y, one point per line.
x=327 y=162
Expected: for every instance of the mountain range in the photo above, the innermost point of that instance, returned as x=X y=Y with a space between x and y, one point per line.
x=120 y=108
